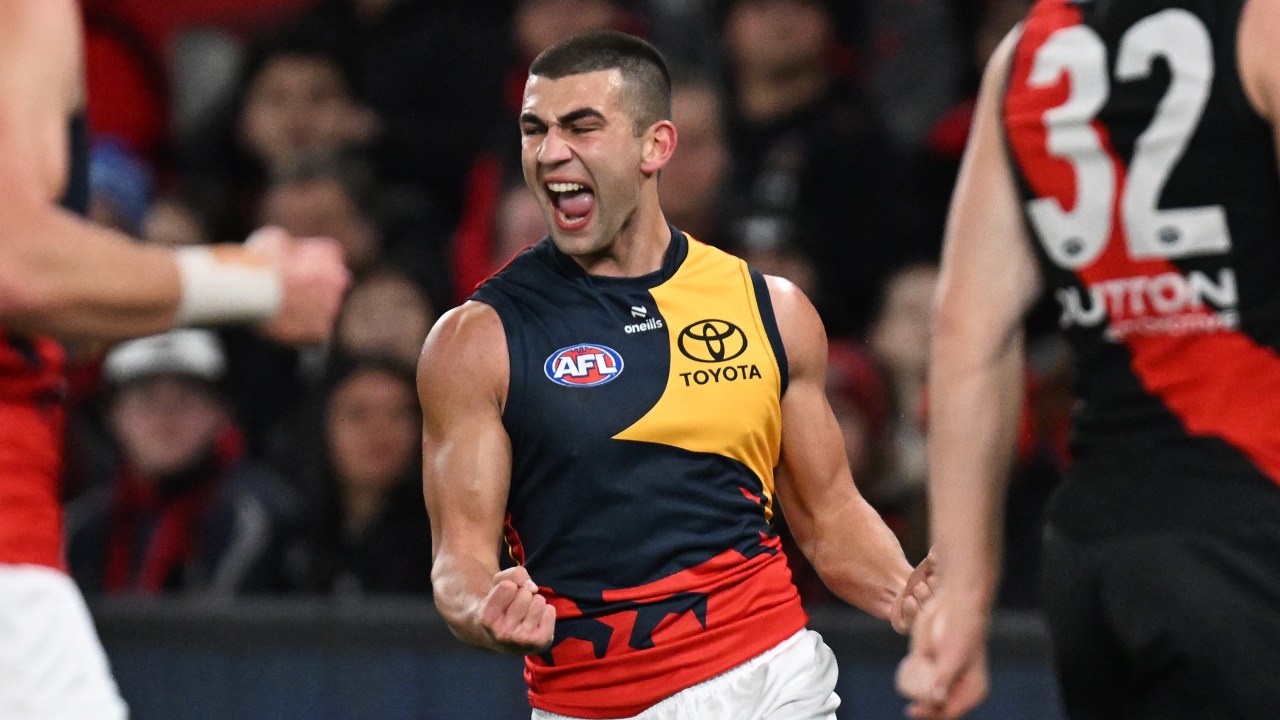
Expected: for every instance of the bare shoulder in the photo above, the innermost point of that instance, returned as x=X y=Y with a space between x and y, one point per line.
x=1258 y=37
x=465 y=355
x=803 y=336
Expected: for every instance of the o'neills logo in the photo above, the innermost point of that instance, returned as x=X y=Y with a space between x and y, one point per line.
x=647 y=325
x=1165 y=304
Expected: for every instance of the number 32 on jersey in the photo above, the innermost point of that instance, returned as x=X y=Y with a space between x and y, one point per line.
x=1074 y=238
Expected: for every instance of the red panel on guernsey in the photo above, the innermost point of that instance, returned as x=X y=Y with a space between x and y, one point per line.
x=30 y=454
x=752 y=605
x=1219 y=384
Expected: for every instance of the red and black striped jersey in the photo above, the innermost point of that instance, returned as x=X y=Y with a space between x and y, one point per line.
x=1150 y=187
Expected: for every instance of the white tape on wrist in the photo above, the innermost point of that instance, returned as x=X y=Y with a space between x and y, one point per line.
x=225 y=287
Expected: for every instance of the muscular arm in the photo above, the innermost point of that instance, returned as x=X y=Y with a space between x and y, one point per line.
x=59 y=274
x=844 y=538
x=466 y=475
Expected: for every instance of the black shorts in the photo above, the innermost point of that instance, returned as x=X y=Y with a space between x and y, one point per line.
x=1167 y=625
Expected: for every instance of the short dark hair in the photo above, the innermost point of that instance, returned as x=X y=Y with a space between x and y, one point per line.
x=646 y=79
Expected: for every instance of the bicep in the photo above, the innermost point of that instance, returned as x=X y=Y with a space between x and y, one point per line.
x=466 y=464
x=815 y=475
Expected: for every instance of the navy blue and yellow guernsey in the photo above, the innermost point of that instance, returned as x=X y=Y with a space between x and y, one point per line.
x=645 y=423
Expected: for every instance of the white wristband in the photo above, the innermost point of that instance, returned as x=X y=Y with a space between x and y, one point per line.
x=222 y=285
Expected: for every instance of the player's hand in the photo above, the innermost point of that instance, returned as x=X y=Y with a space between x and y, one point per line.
x=314 y=279
x=915 y=593
x=945 y=674
x=515 y=616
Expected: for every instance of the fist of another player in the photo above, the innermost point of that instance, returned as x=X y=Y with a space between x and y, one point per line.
x=515 y=616
x=313 y=279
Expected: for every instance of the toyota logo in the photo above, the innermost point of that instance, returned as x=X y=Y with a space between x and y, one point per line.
x=712 y=341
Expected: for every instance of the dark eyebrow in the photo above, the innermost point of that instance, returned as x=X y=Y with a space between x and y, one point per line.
x=569 y=118
x=576 y=115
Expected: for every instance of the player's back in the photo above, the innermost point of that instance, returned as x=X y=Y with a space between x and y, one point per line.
x=1150 y=187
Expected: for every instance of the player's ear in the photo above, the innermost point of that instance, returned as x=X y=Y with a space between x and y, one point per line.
x=659 y=144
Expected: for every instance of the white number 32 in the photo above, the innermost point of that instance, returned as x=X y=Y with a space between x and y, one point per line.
x=1077 y=237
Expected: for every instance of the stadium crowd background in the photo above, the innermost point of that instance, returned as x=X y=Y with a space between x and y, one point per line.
x=819 y=140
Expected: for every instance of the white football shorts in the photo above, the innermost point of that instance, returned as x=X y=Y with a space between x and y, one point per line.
x=52 y=666
x=794 y=680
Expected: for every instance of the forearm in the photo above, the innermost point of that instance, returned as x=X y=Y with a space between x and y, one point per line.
x=859 y=558
x=974 y=412
x=66 y=277
x=459 y=586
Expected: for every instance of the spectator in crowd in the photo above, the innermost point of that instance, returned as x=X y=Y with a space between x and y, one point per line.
x=296 y=99
x=368 y=528
x=807 y=151
x=341 y=196
x=768 y=244
x=914 y=60
x=693 y=183
x=321 y=195
x=182 y=509
x=899 y=339
x=433 y=72
x=385 y=314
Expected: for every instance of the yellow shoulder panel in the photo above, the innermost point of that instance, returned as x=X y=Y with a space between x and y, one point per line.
x=722 y=392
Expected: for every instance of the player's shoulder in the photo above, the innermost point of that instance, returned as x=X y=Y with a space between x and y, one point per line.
x=471 y=327
x=464 y=358
x=804 y=338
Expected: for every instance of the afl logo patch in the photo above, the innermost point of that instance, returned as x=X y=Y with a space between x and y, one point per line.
x=712 y=341
x=585 y=365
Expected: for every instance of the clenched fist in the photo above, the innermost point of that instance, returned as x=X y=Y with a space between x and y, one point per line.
x=515 y=616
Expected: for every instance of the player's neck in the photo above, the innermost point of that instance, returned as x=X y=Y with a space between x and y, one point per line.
x=638 y=249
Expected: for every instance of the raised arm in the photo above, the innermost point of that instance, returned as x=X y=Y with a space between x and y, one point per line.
x=853 y=551
x=988 y=282
x=466 y=476
x=64 y=276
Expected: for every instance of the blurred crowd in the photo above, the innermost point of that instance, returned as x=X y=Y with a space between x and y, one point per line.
x=818 y=139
